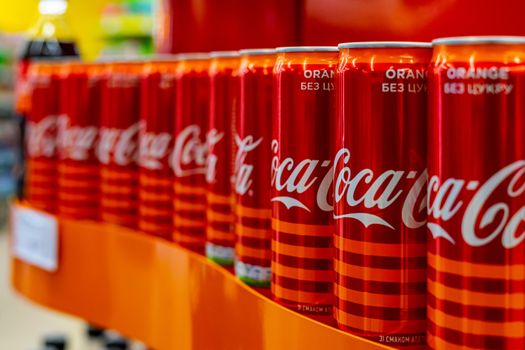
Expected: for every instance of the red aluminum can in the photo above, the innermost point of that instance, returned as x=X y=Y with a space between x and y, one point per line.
x=476 y=190
x=380 y=191
x=301 y=178
x=157 y=106
x=224 y=100
x=190 y=151
x=41 y=138
x=252 y=168
x=119 y=144
x=78 y=170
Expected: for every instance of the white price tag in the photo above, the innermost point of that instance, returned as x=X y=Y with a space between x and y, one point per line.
x=35 y=238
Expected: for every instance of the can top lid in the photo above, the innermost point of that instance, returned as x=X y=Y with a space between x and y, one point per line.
x=224 y=54
x=120 y=59
x=473 y=40
x=161 y=57
x=257 y=51
x=56 y=59
x=192 y=56
x=306 y=49
x=384 y=44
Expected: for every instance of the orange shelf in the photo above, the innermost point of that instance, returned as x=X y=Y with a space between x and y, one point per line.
x=165 y=296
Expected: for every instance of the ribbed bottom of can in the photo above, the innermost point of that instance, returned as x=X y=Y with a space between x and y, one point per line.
x=156 y=219
x=474 y=304
x=446 y=338
x=44 y=205
x=156 y=204
x=78 y=213
x=40 y=189
x=129 y=221
x=79 y=206
x=194 y=247
x=78 y=190
x=153 y=229
x=264 y=291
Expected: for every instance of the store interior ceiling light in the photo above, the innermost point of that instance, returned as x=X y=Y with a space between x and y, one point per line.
x=52 y=7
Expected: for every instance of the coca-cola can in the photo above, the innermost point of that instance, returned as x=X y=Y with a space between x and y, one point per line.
x=301 y=178
x=224 y=106
x=476 y=194
x=118 y=145
x=252 y=168
x=41 y=136
x=190 y=151
x=380 y=191
x=157 y=106
x=78 y=122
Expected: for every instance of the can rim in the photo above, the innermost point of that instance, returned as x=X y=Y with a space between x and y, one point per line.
x=119 y=59
x=384 y=44
x=224 y=54
x=285 y=49
x=163 y=57
x=265 y=51
x=483 y=39
x=57 y=59
x=191 y=56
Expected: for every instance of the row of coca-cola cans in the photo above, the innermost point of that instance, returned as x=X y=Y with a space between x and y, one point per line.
x=378 y=186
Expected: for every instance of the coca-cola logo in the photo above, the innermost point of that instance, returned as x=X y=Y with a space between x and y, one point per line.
x=75 y=142
x=375 y=193
x=243 y=171
x=154 y=148
x=189 y=152
x=212 y=138
x=119 y=145
x=41 y=137
x=479 y=215
x=293 y=178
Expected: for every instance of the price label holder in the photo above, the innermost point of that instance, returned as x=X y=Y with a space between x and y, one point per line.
x=35 y=237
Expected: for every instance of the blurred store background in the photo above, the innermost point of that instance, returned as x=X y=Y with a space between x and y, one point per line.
x=141 y=27
x=99 y=28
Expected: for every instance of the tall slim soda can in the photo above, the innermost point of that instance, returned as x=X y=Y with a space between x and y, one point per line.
x=41 y=137
x=119 y=144
x=157 y=106
x=224 y=106
x=301 y=179
x=380 y=191
x=252 y=166
x=190 y=151
x=476 y=190
x=78 y=170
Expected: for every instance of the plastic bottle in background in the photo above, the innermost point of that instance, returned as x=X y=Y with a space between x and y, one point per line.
x=50 y=37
